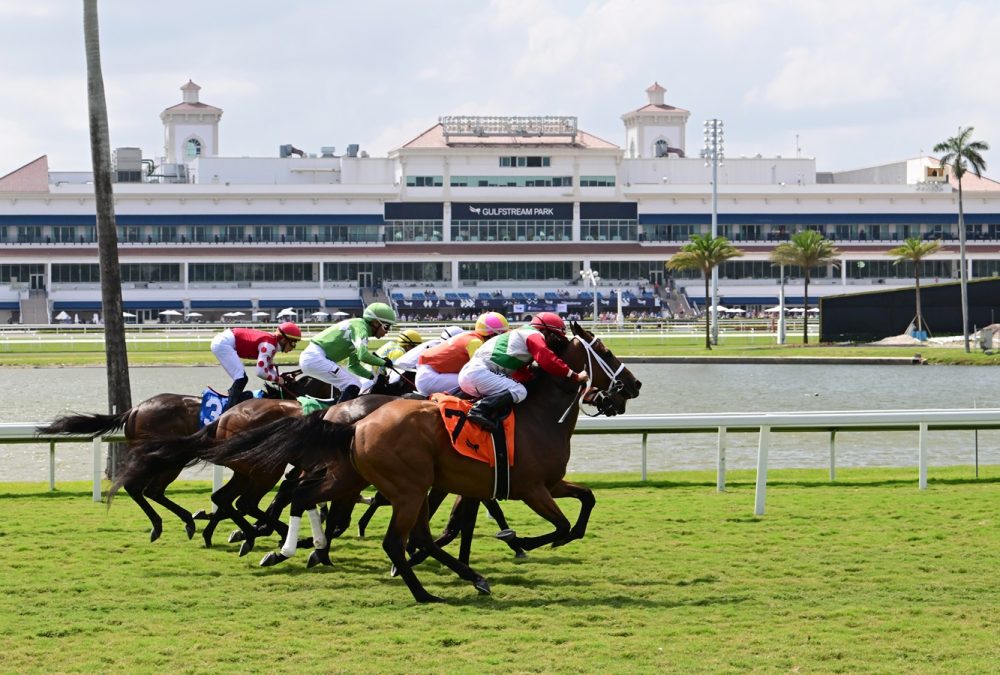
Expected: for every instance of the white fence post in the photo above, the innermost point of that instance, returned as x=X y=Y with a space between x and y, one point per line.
x=52 y=466
x=720 y=463
x=645 y=438
x=97 y=468
x=761 y=491
x=833 y=455
x=923 y=455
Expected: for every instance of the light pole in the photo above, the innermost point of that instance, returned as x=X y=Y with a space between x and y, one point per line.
x=712 y=153
x=590 y=276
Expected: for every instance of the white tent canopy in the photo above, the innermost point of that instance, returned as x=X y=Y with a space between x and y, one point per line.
x=773 y=310
x=195 y=314
x=62 y=316
x=287 y=311
x=170 y=312
x=128 y=315
x=321 y=313
x=234 y=314
x=341 y=314
x=258 y=313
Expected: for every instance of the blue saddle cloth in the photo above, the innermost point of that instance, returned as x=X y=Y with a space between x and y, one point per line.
x=213 y=403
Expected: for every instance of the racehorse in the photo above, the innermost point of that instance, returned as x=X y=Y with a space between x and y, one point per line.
x=241 y=495
x=403 y=449
x=165 y=416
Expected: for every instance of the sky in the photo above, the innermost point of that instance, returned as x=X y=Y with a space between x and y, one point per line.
x=852 y=83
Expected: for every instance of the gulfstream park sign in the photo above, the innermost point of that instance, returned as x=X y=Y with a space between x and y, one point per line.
x=465 y=211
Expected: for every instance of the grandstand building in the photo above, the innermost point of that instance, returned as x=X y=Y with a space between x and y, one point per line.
x=474 y=213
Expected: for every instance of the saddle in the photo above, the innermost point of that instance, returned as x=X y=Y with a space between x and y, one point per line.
x=471 y=440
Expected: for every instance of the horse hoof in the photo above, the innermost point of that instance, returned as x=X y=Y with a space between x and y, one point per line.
x=236 y=535
x=482 y=586
x=189 y=528
x=208 y=540
x=201 y=515
x=393 y=571
x=320 y=556
x=361 y=532
x=272 y=559
x=520 y=555
x=246 y=547
x=506 y=536
x=429 y=598
x=154 y=534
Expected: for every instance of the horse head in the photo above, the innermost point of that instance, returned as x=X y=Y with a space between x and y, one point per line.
x=611 y=383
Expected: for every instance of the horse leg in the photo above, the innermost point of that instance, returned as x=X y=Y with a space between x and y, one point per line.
x=376 y=501
x=493 y=507
x=540 y=501
x=223 y=499
x=467 y=529
x=421 y=532
x=135 y=492
x=587 y=501
x=249 y=503
x=265 y=526
x=405 y=513
x=156 y=491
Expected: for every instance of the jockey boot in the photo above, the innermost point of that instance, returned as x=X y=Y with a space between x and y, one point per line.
x=489 y=411
x=349 y=393
x=236 y=392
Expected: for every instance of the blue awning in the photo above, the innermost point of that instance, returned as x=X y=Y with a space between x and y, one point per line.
x=10 y=305
x=152 y=304
x=221 y=304
x=302 y=304
x=77 y=305
x=342 y=303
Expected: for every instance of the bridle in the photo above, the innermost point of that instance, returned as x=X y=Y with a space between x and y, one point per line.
x=602 y=398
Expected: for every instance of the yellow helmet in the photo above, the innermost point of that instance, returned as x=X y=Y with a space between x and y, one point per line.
x=409 y=338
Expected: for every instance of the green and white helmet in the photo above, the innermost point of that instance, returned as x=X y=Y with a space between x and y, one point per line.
x=381 y=312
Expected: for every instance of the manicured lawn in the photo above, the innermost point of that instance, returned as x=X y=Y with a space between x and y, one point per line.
x=868 y=574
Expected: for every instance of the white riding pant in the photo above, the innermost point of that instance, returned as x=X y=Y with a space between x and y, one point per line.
x=224 y=349
x=313 y=362
x=477 y=379
x=430 y=381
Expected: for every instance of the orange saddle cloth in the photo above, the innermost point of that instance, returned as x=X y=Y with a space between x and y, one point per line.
x=468 y=438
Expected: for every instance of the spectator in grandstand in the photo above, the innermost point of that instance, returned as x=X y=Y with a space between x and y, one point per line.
x=490 y=373
x=438 y=367
x=234 y=344
x=338 y=354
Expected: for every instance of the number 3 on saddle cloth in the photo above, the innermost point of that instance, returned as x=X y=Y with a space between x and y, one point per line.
x=473 y=441
x=213 y=403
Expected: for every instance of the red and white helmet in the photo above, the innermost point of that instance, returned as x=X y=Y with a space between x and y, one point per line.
x=290 y=331
x=549 y=321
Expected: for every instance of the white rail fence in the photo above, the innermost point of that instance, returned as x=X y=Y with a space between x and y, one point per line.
x=721 y=424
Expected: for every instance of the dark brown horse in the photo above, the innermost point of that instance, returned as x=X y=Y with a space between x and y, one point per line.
x=164 y=416
x=404 y=450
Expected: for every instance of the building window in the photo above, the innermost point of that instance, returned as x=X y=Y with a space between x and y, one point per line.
x=192 y=148
x=424 y=181
x=515 y=161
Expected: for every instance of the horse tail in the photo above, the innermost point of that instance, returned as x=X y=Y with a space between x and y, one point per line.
x=302 y=441
x=150 y=458
x=94 y=424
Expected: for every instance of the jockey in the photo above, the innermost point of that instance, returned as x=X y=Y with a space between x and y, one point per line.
x=437 y=369
x=346 y=342
x=489 y=373
x=393 y=350
x=409 y=361
x=234 y=344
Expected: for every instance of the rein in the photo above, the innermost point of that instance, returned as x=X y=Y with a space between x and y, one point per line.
x=599 y=399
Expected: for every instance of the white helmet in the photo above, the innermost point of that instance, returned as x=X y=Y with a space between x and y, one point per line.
x=451 y=331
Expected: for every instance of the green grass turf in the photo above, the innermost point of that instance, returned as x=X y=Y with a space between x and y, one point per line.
x=868 y=574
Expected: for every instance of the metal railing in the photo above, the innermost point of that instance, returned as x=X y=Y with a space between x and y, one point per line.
x=721 y=424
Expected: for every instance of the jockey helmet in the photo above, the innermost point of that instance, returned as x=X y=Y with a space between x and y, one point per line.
x=549 y=321
x=289 y=331
x=409 y=338
x=451 y=331
x=381 y=312
x=491 y=323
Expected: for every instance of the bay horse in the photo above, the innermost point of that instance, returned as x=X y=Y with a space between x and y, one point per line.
x=404 y=450
x=164 y=416
x=240 y=496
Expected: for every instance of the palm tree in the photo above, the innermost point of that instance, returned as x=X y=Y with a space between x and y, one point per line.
x=914 y=250
x=704 y=253
x=963 y=154
x=119 y=388
x=805 y=249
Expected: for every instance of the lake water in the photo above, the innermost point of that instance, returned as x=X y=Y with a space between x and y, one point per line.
x=39 y=394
